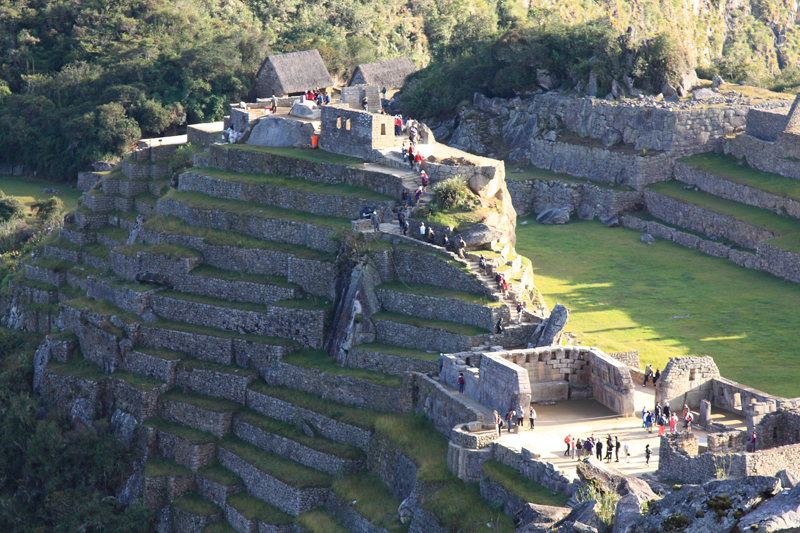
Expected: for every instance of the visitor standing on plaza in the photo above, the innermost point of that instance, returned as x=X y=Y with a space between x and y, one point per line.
x=627 y=448
x=520 y=417
x=588 y=447
x=648 y=371
x=567 y=441
x=532 y=416
x=647 y=453
x=656 y=376
x=609 y=448
x=498 y=422
x=509 y=419
x=461 y=383
x=599 y=449
x=616 y=448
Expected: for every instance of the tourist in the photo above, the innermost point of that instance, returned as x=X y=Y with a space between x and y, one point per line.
x=666 y=410
x=411 y=156
x=568 y=440
x=656 y=376
x=412 y=133
x=510 y=419
x=588 y=448
x=520 y=417
x=689 y=419
x=532 y=416
x=685 y=410
x=647 y=455
x=417 y=161
x=319 y=100
x=616 y=448
x=658 y=410
x=461 y=383
x=753 y=442
x=505 y=288
x=417 y=194
x=482 y=265
x=376 y=224
x=662 y=422
x=431 y=236
x=398 y=126
x=499 y=326
x=598 y=446
x=327 y=98
x=627 y=448
x=274 y=104
x=644 y=417
x=648 y=371
x=520 y=307
x=460 y=246
x=405 y=227
x=410 y=203
x=404 y=197
x=498 y=422
x=579 y=447
x=404 y=152
x=424 y=178
x=609 y=448
x=421 y=229
x=365 y=103
x=673 y=422
x=650 y=422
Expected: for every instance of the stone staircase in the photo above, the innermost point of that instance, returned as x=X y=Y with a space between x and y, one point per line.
x=206 y=330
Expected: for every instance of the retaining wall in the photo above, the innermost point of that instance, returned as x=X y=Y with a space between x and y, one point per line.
x=535 y=196
x=435 y=308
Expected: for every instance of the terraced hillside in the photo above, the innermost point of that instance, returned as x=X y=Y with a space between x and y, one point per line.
x=213 y=320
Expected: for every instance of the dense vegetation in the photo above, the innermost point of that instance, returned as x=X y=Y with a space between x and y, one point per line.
x=81 y=80
x=54 y=477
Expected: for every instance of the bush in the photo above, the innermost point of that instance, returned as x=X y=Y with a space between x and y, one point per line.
x=10 y=209
x=452 y=193
x=49 y=209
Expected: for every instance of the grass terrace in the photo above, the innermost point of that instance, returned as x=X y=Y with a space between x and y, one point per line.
x=141 y=383
x=77 y=367
x=198 y=364
x=218 y=405
x=173 y=251
x=532 y=173
x=460 y=507
x=319 y=360
x=230 y=275
x=297 y=184
x=202 y=202
x=319 y=521
x=439 y=255
x=783 y=225
x=738 y=171
x=291 y=432
x=667 y=301
x=289 y=472
x=459 y=219
x=438 y=292
x=194 y=504
x=254 y=509
x=167 y=355
x=450 y=327
x=148 y=198
x=160 y=467
x=372 y=500
x=318 y=156
x=219 y=474
x=362 y=418
x=176 y=226
x=221 y=333
x=420 y=441
x=398 y=351
x=188 y=434
x=102 y=307
x=525 y=489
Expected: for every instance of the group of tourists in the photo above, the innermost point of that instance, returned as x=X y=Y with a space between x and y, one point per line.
x=648 y=374
x=578 y=449
x=318 y=96
x=513 y=418
x=231 y=135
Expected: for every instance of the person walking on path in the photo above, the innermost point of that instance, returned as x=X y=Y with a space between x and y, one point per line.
x=588 y=448
x=656 y=376
x=425 y=180
x=673 y=422
x=598 y=446
x=567 y=441
x=579 y=447
x=520 y=307
x=398 y=125
x=417 y=194
x=666 y=410
x=422 y=229
x=509 y=419
x=644 y=417
x=411 y=157
x=648 y=371
x=418 y=161
x=405 y=227
x=662 y=422
x=498 y=422
x=609 y=448
x=482 y=264
x=376 y=225
x=616 y=448
x=520 y=418
x=461 y=383
x=532 y=416
x=460 y=245
x=647 y=453
x=689 y=419
x=572 y=446
x=499 y=326
x=627 y=448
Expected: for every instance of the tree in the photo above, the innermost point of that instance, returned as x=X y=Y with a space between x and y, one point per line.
x=11 y=208
x=49 y=209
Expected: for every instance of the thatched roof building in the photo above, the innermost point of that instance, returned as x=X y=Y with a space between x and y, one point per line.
x=295 y=72
x=389 y=74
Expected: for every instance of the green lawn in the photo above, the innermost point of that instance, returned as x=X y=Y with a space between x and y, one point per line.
x=372 y=500
x=729 y=168
x=296 y=184
x=29 y=190
x=319 y=156
x=524 y=488
x=624 y=293
x=319 y=360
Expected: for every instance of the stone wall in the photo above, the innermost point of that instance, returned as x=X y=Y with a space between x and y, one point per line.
x=261 y=228
x=352 y=96
x=325 y=205
x=678 y=460
x=777 y=262
x=600 y=164
x=42 y=275
x=735 y=191
x=218 y=423
x=442 y=407
x=202 y=135
x=493 y=492
x=390 y=464
x=766 y=124
x=327 y=427
x=441 y=309
x=504 y=385
x=303 y=325
x=703 y=221
x=766 y=155
x=228 y=384
x=629 y=358
x=315 y=277
x=686 y=381
x=419 y=267
x=239 y=291
x=398 y=365
x=339 y=388
x=431 y=338
x=174 y=448
x=354 y=132
x=535 y=196
x=86 y=180
x=543 y=472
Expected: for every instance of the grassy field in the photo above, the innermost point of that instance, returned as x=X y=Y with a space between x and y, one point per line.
x=319 y=156
x=29 y=190
x=626 y=295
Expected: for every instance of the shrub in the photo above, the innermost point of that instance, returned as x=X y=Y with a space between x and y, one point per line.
x=10 y=209
x=607 y=500
x=49 y=209
x=675 y=522
x=451 y=193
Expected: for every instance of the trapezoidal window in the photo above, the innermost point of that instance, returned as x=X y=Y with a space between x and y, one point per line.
x=347 y=124
x=691 y=374
x=383 y=129
x=338 y=123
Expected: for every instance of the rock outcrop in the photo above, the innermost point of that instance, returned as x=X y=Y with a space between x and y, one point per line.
x=608 y=478
x=548 y=333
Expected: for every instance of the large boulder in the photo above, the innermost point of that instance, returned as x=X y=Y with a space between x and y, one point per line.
x=608 y=478
x=781 y=513
x=554 y=215
x=533 y=513
x=703 y=94
x=788 y=478
x=668 y=90
x=549 y=331
x=124 y=426
x=40 y=359
x=81 y=413
x=712 y=507
x=586 y=211
x=278 y=131
x=716 y=81
x=688 y=81
x=477 y=236
x=591 y=88
x=305 y=109
x=628 y=514
x=586 y=513
x=546 y=80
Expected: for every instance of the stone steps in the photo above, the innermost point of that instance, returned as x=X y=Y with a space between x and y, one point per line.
x=291 y=487
x=301 y=445
x=203 y=413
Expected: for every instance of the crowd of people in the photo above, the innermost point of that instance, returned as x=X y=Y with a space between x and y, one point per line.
x=513 y=418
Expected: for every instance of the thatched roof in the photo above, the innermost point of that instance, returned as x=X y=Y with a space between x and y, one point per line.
x=295 y=72
x=390 y=74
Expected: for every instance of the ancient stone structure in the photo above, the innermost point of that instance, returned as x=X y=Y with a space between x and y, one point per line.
x=355 y=132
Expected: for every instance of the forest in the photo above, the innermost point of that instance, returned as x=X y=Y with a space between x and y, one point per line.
x=81 y=80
